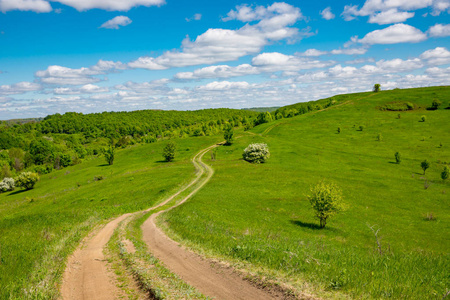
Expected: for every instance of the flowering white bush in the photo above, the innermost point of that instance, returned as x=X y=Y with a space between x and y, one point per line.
x=256 y=153
x=27 y=180
x=7 y=184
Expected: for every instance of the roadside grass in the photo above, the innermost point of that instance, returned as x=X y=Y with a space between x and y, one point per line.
x=259 y=215
x=39 y=228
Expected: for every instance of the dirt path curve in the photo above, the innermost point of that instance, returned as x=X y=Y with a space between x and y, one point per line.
x=213 y=281
x=86 y=275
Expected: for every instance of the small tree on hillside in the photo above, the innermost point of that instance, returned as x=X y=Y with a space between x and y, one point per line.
x=109 y=154
x=326 y=200
x=424 y=165
x=398 y=157
x=376 y=87
x=169 y=151
x=445 y=173
x=228 y=135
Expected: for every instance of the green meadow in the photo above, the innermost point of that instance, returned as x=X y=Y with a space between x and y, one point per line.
x=392 y=240
x=39 y=228
x=259 y=215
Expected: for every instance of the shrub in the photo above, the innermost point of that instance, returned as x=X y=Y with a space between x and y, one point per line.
x=169 y=151
x=376 y=87
x=398 y=157
x=424 y=165
x=256 y=153
x=7 y=184
x=326 y=200
x=435 y=104
x=27 y=180
x=339 y=130
x=445 y=173
x=361 y=128
x=228 y=135
x=423 y=118
x=379 y=137
x=109 y=154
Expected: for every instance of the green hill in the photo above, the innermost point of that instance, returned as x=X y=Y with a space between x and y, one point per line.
x=258 y=216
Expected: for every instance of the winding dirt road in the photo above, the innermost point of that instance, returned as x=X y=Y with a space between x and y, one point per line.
x=87 y=276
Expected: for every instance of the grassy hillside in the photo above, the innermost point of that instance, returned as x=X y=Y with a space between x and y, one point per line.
x=39 y=228
x=260 y=214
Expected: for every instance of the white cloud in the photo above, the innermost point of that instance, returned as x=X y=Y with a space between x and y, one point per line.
x=275 y=61
x=67 y=76
x=195 y=17
x=390 y=16
x=391 y=11
x=327 y=14
x=224 y=85
x=313 y=52
x=436 y=56
x=19 y=88
x=85 y=89
x=112 y=5
x=350 y=51
x=439 y=30
x=221 y=71
x=399 y=65
x=116 y=22
x=39 y=6
x=216 y=45
x=398 y=33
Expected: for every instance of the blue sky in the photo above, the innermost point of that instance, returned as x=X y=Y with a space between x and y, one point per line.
x=109 y=55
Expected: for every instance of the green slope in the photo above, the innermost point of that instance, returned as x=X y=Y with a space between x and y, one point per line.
x=259 y=214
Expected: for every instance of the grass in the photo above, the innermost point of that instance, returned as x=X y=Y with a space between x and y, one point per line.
x=259 y=214
x=39 y=228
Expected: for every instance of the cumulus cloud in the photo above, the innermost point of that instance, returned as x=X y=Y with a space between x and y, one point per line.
x=390 y=11
x=390 y=16
x=398 y=33
x=116 y=22
x=68 y=76
x=436 y=56
x=81 y=5
x=195 y=17
x=224 y=85
x=327 y=14
x=350 y=51
x=313 y=52
x=220 y=71
x=39 y=6
x=439 y=30
x=275 y=61
x=111 y=5
x=85 y=89
x=19 y=88
x=216 y=45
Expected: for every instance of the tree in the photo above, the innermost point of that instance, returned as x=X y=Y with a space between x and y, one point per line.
x=169 y=151
x=109 y=154
x=445 y=173
x=326 y=200
x=256 y=153
x=376 y=87
x=228 y=135
x=425 y=165
x=398 y=157
x=27 y=180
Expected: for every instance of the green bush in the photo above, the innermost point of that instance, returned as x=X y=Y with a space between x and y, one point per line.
x=435 y=104
x=326 y=200
x=376 y=87
x=256 y=153
x=27 y=180
x=398 y=157
x=445 y=173
x=169 y=151
x=109 y=154
x=228 y=135
x=423 y=118
x=424 y=165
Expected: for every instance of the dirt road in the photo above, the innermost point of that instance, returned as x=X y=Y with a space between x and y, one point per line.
x=87 y=277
